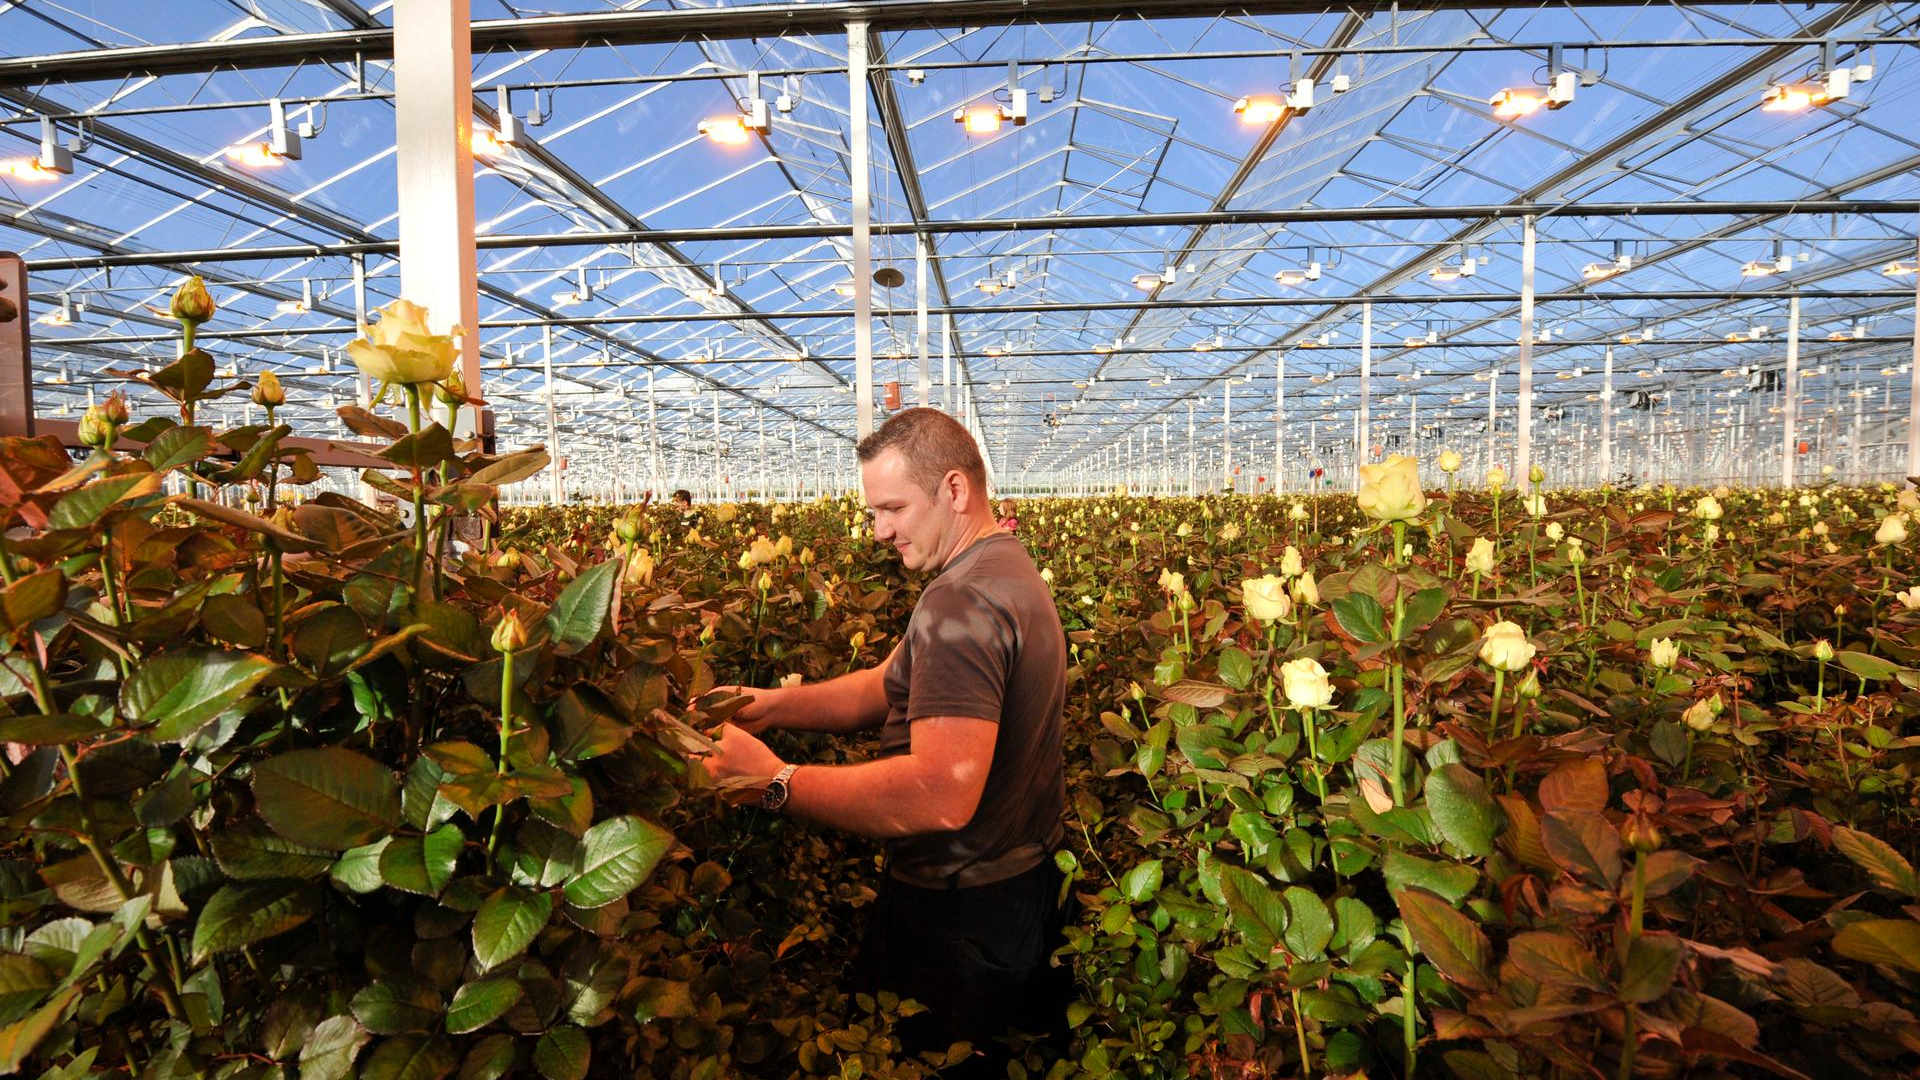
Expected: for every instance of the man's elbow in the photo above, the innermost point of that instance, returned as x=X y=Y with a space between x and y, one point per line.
x=953 y=818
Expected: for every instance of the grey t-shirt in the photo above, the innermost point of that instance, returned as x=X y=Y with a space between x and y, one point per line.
x=985 y=642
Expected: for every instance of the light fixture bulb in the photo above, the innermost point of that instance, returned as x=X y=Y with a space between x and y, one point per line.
x=981 y=119
x=1790 y=97
x=1899 y=269
x=1259 y=109
x=1512 y=104
x=254 y=155
x=1146 y=282
x=725 y=130
x=29 y=170
x=486 y=144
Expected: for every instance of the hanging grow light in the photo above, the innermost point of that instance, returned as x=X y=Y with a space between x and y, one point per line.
x=281 y=144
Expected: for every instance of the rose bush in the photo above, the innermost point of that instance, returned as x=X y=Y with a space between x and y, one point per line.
x=292 y=793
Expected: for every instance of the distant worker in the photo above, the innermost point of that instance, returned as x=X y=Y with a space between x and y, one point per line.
x=1007 y=520
x=682 y=502
x=968 y=790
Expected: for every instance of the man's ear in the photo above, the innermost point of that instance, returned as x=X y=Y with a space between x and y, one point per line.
x=958 y=490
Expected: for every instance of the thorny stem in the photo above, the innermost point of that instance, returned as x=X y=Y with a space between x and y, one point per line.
x=1499 y=688
x=419 y=497
x=506 y=743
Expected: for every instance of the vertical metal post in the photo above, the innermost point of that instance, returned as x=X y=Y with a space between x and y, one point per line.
x=433 y=137
x=554 y=489
x=1606 y=420
x=925 y=386
x=1279 y=420
x=1190 y=448
x=1166 y=459
x=946 y=362
x=1523 y=426
x=1226 y=436
x=760 y=420
x=1791 y=390
x=1493 y=416
x=16 y=353
x=719 y=475
x=1362 y=430
x=862 y=228
x=1913 y=391
x=653 y=440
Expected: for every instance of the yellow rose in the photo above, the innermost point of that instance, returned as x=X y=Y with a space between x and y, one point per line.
x=1266 y=598
x=761 y=551
x=745 y=562
x=1892 y=530
x=1046 y=574
x=1184 y=530
x=1290 y=565
x=1823 y=650
x=1306 y=684
x=1536 y=505
x=1173 y=582
x=783 y=547
x=509 y=635
x=1480 y=557
x=1496 y=478
x=399 y=348
x=1449 y=461
x=1554 y=531
x=267 y=392
x=1390 y=490
x=1297 y=512
x=1909 y=599
x=1504 y=647
x=1699 y=716
x=1306 y=591
x=192 y=303
x=1663 y=652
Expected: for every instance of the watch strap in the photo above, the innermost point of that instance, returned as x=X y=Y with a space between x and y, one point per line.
x=777 y=791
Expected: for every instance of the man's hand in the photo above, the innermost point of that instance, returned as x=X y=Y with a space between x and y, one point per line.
x=741 y=755
x=754 y=717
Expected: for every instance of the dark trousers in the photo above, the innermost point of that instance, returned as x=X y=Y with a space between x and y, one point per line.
x=977 y=958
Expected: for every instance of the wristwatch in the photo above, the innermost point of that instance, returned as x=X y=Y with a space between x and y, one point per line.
x=777 y=791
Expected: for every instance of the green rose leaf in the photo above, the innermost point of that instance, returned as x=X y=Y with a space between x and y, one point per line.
x=563 y=1054
x=1652 y=962
x=397 y=1005
x=1142 y=882
x=327 y=798
x=422 y=864
x=489 y=1059
x=1309 y=924
x=1463 y=809
x=1888 y=868
x=331 y=1048
x=1361 y=617
x=478 y=1004
x=248 y=851
x=1894 y=942
x=180 y=692
x=616 y=855
x=1236 y=668
x=1557 y=960
x=1254 y=909
x=507 y=923
x=1450 y=939
x=410 y=1057
x=244 y=912
x=580 y=611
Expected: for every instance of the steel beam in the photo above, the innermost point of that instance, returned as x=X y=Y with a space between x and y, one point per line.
x=655 y=26
x=987 y=226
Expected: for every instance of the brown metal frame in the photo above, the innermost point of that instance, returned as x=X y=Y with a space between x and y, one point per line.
x=16 y=357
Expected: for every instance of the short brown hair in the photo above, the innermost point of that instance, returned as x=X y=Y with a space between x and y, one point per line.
x=933 y=443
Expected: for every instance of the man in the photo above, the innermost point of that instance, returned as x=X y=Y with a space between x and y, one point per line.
x=968 y=789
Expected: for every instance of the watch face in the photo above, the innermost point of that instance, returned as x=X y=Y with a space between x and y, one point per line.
x=775 y=796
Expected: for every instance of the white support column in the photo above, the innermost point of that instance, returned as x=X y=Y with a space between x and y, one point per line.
x=1166 y=459
x=946 y=362
x=1606 y=420
x=1790 y=389
x=1493 y=414
x=554 y=489
x=1362 y=430
x=1913 y=391
x=653 y=441
x=862 y=228
x=1279 y=420
x=925 y=385
x=719 y=475
x=1226 y=434
x=1523 y=427
x=760 y=421
x=1190 y=447
x=433 y=132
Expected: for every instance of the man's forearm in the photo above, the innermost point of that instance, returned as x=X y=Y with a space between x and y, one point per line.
x=852 y=702
x=882 y=799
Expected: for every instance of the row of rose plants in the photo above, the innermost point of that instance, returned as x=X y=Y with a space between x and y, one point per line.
x=1483 y=783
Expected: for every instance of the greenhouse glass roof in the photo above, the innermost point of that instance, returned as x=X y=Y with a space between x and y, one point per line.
x=1104 y=270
